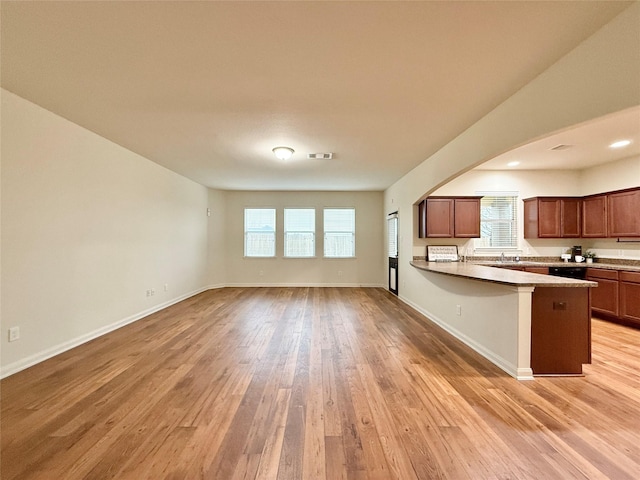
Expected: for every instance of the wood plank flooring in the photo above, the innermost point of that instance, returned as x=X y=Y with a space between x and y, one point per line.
x=314 y=383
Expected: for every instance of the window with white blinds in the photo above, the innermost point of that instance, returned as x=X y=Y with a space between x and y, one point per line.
x=498 y=220
x=339 y=232
x=260 y=232
x=299 y=232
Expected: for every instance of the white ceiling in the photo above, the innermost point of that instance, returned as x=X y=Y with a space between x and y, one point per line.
x=207 y=89
x=585 y=145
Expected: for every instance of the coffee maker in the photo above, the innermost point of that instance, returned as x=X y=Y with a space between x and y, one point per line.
x=575 y=250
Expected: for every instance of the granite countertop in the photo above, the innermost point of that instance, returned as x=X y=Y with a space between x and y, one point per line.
x=503 y=276
x=525 y=263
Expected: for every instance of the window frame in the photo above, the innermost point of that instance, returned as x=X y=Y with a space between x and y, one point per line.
x=312 y=232
x=514 y=222
x=326 y=232
x=247 y=232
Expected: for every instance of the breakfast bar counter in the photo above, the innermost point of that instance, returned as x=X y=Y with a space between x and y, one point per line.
x=526 y=323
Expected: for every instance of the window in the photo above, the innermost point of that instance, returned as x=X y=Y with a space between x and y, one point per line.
x=339 y=232
x=259 y=232
x=498 y=214
x=299 y=232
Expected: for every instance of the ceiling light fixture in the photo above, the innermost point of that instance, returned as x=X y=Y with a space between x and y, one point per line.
x=620 y=144
x=283 y=153
x=515 y=163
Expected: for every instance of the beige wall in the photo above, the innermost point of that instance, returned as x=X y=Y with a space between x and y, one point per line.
x=600 y=76
x=217 y=244
x=366 y=269
x=87 y=228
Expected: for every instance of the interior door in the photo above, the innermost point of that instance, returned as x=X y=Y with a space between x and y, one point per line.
x=392 y=248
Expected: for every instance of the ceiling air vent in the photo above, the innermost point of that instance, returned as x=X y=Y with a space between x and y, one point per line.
x=320 y=156
x=562 y=146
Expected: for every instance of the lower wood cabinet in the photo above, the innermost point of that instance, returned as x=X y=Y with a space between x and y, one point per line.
x=617 y=296
x=604 y=298
x=630 y=297
x=560 y=330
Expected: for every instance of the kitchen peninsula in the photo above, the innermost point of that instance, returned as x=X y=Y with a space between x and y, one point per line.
x=526 y=323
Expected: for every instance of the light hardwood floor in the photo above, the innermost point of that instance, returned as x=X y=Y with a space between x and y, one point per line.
x=314 y=383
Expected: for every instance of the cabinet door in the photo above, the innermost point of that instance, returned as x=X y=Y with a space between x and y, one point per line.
x=549 y=218
x=440 y=217
x=630 y=296
x=624 y=214
x=467 y=217
x=594 y=216
x=604 y=298
x=570 y=217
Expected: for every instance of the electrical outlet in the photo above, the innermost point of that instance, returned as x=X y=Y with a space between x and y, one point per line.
x=261 y=273
x=458 y=310
x=14 y=334
x=339 y=273
x=166 y=287
x=153 y=292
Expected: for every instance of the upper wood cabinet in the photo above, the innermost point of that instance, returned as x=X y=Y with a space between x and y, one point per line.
x=624 y=213
x=612 y=214
x=466 y=217
x=449 y=217
x=552 y=217
x=440 y=217
x=594 y=216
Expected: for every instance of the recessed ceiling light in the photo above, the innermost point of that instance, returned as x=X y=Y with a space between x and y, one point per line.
x=620 y=144
x=515 y=163
x=283 y=153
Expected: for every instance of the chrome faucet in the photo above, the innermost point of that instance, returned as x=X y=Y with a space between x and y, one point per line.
x=502 y=257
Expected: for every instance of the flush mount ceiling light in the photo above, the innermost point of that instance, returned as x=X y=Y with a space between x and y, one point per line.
x=515 y=163
x=283 y=153
x=620 y=144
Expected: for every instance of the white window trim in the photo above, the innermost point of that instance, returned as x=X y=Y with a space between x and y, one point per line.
x=324 y=234
x=511 y=249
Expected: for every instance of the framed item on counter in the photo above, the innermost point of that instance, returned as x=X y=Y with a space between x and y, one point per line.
x=442 y=253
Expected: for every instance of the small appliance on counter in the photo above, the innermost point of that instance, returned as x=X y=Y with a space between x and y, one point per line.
x=576 y=251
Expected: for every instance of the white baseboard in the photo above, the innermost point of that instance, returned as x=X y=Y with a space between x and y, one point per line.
x=15 y=367
x=508 y=367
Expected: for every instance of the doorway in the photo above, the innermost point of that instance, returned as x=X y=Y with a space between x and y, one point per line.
x=392 y=247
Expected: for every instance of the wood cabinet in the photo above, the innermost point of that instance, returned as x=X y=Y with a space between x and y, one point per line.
x=611 y=214
x=623 y=217
x=604 y=298
x=560 y=330
x=540 y=270
x=552 y=217
x=594 y=216
x=440 y=218
x=466 y=217
x=449 y=217
x=630 y=297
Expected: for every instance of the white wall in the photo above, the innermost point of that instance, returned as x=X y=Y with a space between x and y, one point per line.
x=366 y=269
x=87 y=228
x=599 y=77
x=610 y=176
